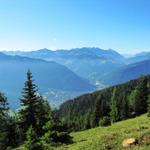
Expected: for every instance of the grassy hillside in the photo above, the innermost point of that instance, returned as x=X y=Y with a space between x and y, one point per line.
x=111 y=137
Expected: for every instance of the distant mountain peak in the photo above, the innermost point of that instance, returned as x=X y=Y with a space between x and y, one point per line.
x=111 y=50
x=44 y=49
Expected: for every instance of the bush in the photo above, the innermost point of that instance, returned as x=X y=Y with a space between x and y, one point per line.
x=63 y=137
x=36 y=146
x=105 y=121
x=52 y=137
x=32 y=142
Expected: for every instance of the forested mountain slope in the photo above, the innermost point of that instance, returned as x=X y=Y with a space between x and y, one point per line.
x=111 y=104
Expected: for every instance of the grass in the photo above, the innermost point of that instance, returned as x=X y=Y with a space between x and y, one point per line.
x=111 y=137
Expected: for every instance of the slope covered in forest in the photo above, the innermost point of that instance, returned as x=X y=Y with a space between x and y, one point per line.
x=90 y=110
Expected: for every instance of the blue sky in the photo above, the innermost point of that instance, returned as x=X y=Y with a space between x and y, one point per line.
x=123 y=25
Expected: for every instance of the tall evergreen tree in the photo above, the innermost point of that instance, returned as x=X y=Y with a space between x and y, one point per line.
x=141 y=96
x=43 y=114
x=148 y=101
x=3 y=106
x=29 y=103
x=100 y=109
x=35 y=110
x=3 y=122
x=148 y=106
x=131 y=100
x=124 y=109
x=87 y=120
x=32 y=142
x=114 y=108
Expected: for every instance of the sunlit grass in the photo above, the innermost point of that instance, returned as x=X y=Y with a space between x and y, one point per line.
x=111 y=137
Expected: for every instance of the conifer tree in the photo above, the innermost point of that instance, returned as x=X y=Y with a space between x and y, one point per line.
x=3 y=121
x=131 y=99
x=148 y=101
x=141 y=96
x=148 y=106
x=29 y=103
x=44 y=114
x=124 y=109
x=3 y=107
x=87 y=120
x=114 y=108
x=32 y=142
x=100 y=109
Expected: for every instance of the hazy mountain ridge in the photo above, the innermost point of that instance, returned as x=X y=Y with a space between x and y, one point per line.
x=76 y=52
x=128 y=72
x=90 y=63
x=139 y=57
x=97 y=65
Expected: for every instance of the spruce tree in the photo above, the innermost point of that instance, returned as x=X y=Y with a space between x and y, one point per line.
x=131 y=99
x=29 y=103
x=124 y=109
x=44 y=114
x=3 y=107
x=32 y=142
x=35 y=110
x=3 y=121
x=100 y=109
x=148 y=101
x=87 y=120
x=141 y=97
x=148 y=106
x=114 y=108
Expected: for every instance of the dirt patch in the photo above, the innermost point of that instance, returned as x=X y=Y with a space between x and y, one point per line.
x=144 y=139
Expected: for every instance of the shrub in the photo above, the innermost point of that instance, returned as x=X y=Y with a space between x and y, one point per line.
x=105 y=121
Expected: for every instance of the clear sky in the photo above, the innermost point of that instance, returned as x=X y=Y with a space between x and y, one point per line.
x=122 y=25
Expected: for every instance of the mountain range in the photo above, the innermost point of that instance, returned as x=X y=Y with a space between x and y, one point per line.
x=89 y=63
x=64 y=74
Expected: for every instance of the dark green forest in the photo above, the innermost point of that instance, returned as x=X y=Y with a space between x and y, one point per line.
x=107 y=106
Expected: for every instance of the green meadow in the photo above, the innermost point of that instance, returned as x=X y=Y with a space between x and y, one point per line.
x=111 y=137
